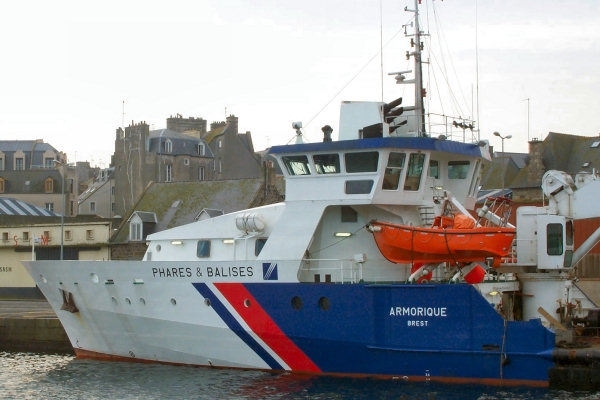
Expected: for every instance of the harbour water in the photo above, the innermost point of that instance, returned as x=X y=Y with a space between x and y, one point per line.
x=59 y=376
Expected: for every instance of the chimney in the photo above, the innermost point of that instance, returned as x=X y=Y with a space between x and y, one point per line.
x=232 y=121
x=536 y=166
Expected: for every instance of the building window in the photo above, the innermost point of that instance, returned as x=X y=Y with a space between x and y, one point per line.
x=70 y=185
x=1 y=164
x=68 y=235
x=92 y=206
x=135 y=231
x=168 y=146
x=89 y=234
x=201 y=173
x=48 y=163
x=25 y=236
x=220 y=143
x=2 y=185
x=220 y=166
x=72 y=206
x=186 y=161
x=112 y=207
x=200 y=149
x=49 y=185
x=168 y=176
x=19 y=164
x=112 y=191
x=50 y=207
x=5 y=236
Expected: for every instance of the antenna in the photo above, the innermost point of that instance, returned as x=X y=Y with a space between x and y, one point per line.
x=477 y=77
x=123 y=116
x=527 y=100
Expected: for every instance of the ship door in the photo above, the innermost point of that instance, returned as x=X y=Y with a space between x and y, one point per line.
x=555 y=242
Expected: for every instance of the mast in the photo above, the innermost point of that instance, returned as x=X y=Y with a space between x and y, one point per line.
x=418 y=81
x=419 y=105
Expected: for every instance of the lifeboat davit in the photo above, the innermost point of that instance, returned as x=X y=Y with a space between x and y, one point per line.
x=451 y=240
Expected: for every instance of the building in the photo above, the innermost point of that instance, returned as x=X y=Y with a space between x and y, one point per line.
x=98 y=198
x=28 y=236
x=142 y=156
x=35 y=172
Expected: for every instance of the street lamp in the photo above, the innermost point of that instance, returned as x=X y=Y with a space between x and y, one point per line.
x=62 y=214
x=503 y=155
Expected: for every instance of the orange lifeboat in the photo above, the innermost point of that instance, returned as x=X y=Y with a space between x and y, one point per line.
x=454 y=240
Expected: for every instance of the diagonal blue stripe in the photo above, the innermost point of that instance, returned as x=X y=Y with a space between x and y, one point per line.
x=235 y=326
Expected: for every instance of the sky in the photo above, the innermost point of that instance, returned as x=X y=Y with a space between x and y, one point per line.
x=73 y=71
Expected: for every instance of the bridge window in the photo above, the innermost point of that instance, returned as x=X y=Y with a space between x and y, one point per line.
x=296 y=165
x=434 y=169
x=327 y=163
x=414 y=172
x=458 y=169
x=362 y=162
x=393 y=171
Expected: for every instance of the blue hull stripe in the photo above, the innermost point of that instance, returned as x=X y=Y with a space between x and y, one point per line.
x=235 y=326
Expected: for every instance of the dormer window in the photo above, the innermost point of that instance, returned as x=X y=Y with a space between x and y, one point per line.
x=200 y=149
x=19 y=164
x=135 y=230
x=168 y=146
x=48 y=163
x=49 y=185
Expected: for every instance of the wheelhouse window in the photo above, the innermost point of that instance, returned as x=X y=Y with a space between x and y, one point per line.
x=554 y=239
x=458 y=169
x=296 y=165
x=258 y=245
x=414 y=171
x=361 y=162
x=475 y=181
x=393 y=171
x=203 y=248
x=434 y=169
x=327 y=163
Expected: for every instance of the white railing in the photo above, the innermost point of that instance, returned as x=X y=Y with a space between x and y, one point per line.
x=342 y=270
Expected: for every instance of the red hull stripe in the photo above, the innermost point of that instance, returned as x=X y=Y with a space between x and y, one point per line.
x=263 y=326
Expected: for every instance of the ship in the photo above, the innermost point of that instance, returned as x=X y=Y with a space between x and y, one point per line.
x=304 y=285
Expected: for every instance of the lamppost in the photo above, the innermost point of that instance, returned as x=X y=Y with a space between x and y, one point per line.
x=503 y=155
x=62 y=214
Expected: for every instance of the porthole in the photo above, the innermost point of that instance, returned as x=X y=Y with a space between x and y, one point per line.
x=324 y=303
x=207 y=302
x=114 y=299
x=127 y=300
x=142 y=300
x=247 y=303
x=296 y=303
x=173 y=301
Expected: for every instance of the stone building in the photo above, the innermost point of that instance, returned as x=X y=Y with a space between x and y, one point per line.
x=98 y=198
x=29 y=171
x=142 y=156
